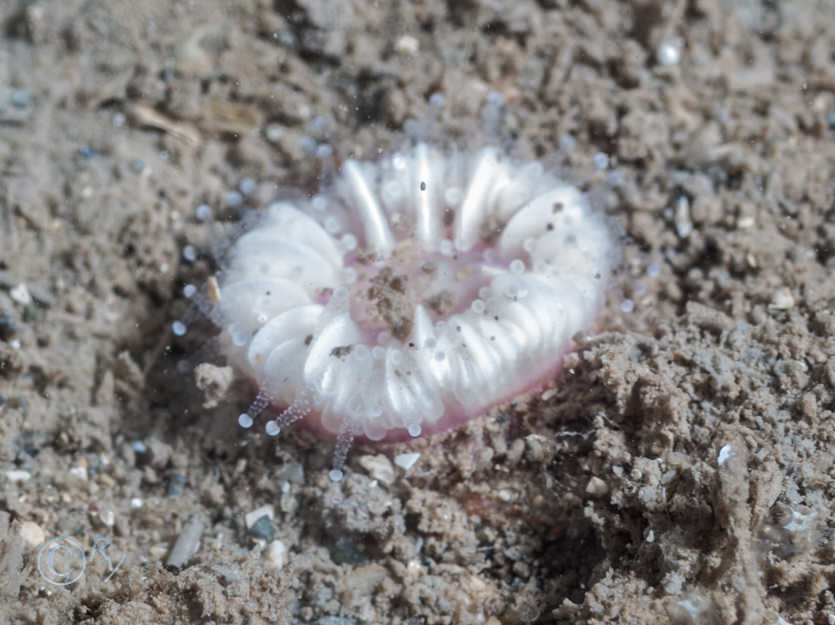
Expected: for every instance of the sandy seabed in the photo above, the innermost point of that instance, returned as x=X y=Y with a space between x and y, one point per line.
x=681 y=470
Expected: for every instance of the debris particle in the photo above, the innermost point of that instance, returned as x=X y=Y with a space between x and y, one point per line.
x=682 y=217
x=406 y=461
x=20 y=294
x=379 y=467
x=724 y=454
x=276 y=554
x=669 y=52
x=783 y=299
x=253 y=517
x=32 y=533
x=407 y=45
x=18 y=476
x=186 y=543
x=596 y=487
x=214 y=381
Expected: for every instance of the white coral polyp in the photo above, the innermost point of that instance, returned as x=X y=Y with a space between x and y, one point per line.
x=414 y=292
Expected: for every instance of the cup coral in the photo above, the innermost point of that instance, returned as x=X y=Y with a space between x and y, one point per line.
x=411 y=293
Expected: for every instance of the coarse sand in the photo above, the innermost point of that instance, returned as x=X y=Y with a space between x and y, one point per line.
x=682 y=470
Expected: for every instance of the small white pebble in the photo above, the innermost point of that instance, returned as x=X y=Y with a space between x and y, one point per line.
x=596 y=487
x=32 y=534
x=406 y=461
x=724 y=454
x=627 y=306
x=79 y=472
x=20 y=294
x=669 y=51
x=276 y=554
x=108 y=517
x=407 y=45
x=505 y=495
x=783 y=299
x=136 y=503
x=251 y=518
x=18 y=476
x=682 y=217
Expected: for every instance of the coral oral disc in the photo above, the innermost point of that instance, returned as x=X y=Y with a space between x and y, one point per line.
x=413 y=293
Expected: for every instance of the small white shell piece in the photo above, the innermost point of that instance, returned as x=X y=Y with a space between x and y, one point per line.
x=431 y=284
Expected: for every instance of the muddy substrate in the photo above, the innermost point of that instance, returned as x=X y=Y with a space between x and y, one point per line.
x=680 y=471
